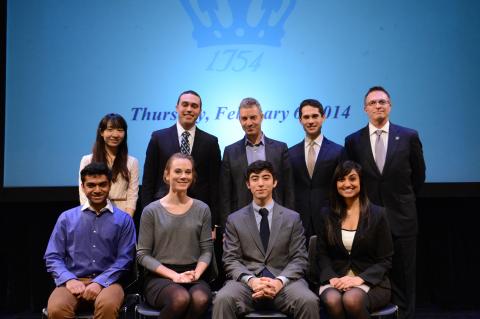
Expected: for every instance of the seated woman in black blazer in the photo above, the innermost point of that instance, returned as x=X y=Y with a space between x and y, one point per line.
x=354 y=248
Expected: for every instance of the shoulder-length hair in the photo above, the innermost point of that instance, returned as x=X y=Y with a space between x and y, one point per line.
x=99 y=152
x=337 y=202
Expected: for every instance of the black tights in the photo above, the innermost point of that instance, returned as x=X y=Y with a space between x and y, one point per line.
x=349 y=304
x=177 y=301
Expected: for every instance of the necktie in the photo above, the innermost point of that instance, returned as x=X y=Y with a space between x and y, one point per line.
x=264 y=229
x=311 y=158
x=379 y=151
x=184 y=144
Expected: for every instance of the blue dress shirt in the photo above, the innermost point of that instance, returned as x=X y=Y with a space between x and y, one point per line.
x=255 y=152
x=84 y=244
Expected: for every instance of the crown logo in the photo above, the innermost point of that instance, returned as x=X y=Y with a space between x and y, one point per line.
x=221 y=22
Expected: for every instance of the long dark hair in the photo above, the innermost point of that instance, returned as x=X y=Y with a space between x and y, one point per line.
x=99 y=151
x=337 y=202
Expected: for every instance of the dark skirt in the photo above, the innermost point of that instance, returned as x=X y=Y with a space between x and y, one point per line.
x=154 y=284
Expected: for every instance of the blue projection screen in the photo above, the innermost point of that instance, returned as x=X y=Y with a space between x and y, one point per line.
x=68 y=63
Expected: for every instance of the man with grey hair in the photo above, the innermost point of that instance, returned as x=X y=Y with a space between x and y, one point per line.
x=254 y=146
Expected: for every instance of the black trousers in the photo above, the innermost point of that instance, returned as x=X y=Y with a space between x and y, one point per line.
x=403 y=275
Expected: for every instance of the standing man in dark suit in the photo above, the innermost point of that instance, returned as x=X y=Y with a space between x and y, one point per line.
x=186 y=138
x=313 y=163
x=254 y=146
x=394 y=171
x=264 y=255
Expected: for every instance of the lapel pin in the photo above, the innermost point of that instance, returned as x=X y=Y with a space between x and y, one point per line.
x=397 y=137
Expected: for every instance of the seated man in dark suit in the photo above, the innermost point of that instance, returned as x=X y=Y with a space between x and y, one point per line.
x=313 y=163
x=254 y=146
x=90 y=248
x=184 y=137
x=264 y=255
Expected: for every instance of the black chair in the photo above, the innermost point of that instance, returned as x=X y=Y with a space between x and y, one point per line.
x=266 y=314
x=388 y=311
x=89 y=314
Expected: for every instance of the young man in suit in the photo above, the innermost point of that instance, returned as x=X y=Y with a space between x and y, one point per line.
x=394 y=171
x=264 y=255
x=254 y=146
x=313 y=162
x=184 y=136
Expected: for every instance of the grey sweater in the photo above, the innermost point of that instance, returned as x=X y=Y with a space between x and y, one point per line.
x=166 y=238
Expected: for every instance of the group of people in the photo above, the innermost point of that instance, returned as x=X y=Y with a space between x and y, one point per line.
x=261 y=203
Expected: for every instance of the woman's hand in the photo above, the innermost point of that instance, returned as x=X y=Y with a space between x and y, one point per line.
x=185 y=277
x=347 y=282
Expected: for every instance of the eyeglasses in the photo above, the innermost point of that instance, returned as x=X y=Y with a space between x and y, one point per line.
x=380 y=102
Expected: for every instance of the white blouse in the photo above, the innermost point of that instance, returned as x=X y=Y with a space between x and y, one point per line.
x=122 y=195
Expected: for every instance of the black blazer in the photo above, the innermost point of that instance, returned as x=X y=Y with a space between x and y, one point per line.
x=234 y=191
x=206 y=153
x=402 y=177
x=372 y=249
x=311 y=194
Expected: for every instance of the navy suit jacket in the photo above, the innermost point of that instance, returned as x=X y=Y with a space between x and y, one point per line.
x=402 y=177
x=206 y=153
x=311 y=194
x=235 y=193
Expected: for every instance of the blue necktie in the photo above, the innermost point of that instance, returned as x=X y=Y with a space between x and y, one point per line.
x=264 y=229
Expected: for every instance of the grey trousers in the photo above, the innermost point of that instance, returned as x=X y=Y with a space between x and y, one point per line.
x=295 y=299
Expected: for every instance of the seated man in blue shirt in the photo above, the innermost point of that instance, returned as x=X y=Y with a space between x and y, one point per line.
x=90 y=248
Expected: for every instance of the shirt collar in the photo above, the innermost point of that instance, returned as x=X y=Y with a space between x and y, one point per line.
x=317 y=141
x=269 y=206
x=180 y=130
x=108 y=207
x=262 y=141
x=372 y=129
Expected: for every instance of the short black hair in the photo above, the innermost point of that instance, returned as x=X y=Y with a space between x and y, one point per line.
x=190 y=92
x=96 y=168
x=312 y=103
x=258 y=166
x=375 y=88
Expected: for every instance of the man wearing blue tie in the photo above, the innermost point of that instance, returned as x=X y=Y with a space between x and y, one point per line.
x=264 y=255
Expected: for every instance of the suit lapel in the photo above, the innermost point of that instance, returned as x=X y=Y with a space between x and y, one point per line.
x=358 y=233
x=174 y=138
x=242 y=153
x=393 y=139
x=197 y=142
x=322 y=154
x=277 y=221
x=366 y=147
x=301 y=160
x=251 y=225
x=268 y=153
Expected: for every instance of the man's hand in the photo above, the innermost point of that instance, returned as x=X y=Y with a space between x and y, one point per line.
x=257 y=285
x=265 y=287
x=76 y=287
x=91 y=291
x=272 y=287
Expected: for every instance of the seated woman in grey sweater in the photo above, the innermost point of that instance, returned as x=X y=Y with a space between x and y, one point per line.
x=175 y=246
